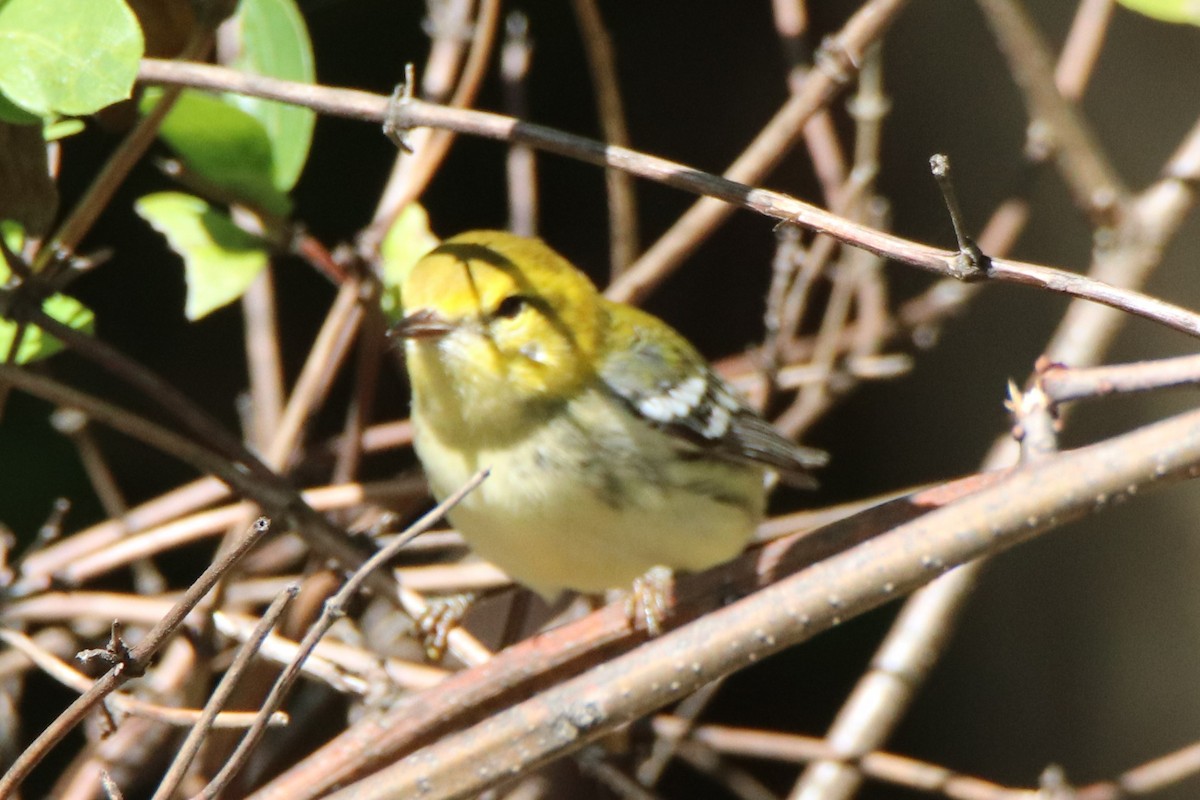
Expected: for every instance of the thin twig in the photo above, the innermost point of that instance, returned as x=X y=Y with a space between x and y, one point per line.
x=62 y=672
x=791 y=23
x=786 y=266
x=595 y=765
x=412 y=173
x=371 y=342
x=920 y=633
x=334 y=609
x=156 y=539
x=1153 y=776
x=221 y=694
x=324 y=358
x=971 y=262
x=1080 y=159
x=187 y=499
x=688 y=713
x=74 y=424
x=415 y=113
x=736 y=781
x=345 y=668
x=128 y=153
x=622 y=202
x=1064 y=384
x=521 y=163
x=885 y=767
x=38 y=567
x=449 y=25
x=1082 y=47
x=835 y=66
x=270 y=491
x=922 y=776
x=263 y=360
x=516 y=672
x=856 y=268
x=1030 y=500
x=130 y=667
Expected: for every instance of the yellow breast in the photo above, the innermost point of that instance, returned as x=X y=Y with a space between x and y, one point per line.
x=591 y=498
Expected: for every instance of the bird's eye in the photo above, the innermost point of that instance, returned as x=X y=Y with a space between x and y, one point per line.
x=511 y=306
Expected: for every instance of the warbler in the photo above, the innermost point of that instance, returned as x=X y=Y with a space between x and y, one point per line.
x=614 y=448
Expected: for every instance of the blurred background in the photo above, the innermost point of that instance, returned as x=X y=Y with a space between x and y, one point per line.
x=1081 y=649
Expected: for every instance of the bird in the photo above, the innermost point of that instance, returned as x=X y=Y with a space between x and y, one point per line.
x=617 y=456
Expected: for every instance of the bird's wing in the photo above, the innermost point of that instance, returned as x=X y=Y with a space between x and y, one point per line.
x=662 y=378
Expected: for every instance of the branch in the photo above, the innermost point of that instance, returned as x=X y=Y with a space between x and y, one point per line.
x=1018 y=507
x=412 y=113
x=131 y=664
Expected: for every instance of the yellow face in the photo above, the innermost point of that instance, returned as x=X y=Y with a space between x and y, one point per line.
x=499 y=317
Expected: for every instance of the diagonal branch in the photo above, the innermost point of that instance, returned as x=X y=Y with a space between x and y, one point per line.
x=1028 y=501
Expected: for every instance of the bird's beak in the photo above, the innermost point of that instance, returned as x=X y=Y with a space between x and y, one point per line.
x=422 y=324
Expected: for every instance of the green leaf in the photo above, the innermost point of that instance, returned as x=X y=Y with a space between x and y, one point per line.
x=13 y=234
x=69 y=57
x=406 y=241
x=273 y=41
x=250 y=148
x=220 y=259
x=1167 y=10
x=11 y=112
x=36 y=343
x=223 y=145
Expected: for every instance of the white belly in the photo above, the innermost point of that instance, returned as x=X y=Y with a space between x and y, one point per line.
x=586 y=504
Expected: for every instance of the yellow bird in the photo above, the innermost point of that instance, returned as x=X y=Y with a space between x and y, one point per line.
x=614 y=448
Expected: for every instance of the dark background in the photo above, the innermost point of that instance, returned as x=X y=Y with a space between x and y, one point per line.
x=1082 y=648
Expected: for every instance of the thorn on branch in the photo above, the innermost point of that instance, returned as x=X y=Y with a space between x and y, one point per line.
x=115 y=654
x=1036 y=423
x=970 y=263
x=833 y=59
x=393 y=120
